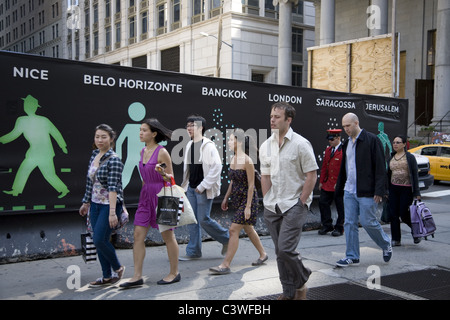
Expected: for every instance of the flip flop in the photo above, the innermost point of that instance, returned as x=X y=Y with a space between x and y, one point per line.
x=259 y=261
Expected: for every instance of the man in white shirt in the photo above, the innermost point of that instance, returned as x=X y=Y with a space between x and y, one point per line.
x=288 y=177
x=201 y=180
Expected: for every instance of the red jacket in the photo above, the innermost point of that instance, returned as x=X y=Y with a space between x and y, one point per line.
x=330 y=168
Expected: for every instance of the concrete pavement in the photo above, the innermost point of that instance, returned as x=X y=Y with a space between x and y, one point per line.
x=67 y=278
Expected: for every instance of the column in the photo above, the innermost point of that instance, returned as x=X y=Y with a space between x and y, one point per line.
x=378 y=17
x=442 y=71
x=327 y=22
x=285 y=41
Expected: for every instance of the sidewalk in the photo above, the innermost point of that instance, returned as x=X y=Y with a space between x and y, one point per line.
x=47 y=279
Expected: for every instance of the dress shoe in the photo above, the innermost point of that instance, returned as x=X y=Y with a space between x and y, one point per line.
x=337 y=233
x=396 y=243
x=325 y=230
x=132 y=284
x=300 y=294
x=176 y=279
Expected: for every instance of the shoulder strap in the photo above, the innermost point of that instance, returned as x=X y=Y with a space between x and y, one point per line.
x=101 y=163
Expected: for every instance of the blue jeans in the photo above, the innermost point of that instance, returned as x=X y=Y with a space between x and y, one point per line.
x=363 y=208
x=99 y=217
x=202 y=209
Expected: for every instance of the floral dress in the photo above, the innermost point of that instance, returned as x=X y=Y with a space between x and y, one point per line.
x=238 y=198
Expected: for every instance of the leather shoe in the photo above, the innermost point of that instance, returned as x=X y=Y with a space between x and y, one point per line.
x=132 y=284
x=325 y=230
x=176 y=279
x=300 y=294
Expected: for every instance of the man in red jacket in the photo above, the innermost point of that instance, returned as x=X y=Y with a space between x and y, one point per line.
x=328 y=176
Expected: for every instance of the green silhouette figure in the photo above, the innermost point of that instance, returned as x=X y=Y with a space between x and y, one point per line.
x=37 y=130
x=130 y=132
x=387 y=147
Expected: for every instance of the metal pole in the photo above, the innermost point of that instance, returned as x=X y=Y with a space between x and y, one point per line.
x=394 y=68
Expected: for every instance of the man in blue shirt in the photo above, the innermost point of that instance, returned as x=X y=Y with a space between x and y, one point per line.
x=362 y=180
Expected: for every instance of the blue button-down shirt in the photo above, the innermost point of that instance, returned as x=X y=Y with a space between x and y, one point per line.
x=350 y=184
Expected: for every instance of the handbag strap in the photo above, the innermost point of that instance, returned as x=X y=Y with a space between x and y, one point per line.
x=100 y=164
x=172 y=183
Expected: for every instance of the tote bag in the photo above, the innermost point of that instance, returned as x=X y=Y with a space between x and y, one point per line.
x=185 y=212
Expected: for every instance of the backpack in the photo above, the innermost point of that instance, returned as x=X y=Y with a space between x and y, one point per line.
x=422 y=222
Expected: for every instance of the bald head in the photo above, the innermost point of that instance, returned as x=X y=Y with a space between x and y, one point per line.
x=350 y=123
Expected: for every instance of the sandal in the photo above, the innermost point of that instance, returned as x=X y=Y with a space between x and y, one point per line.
x=259 y=261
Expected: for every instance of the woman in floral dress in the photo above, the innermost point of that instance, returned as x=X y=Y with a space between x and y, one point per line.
x=244 y=198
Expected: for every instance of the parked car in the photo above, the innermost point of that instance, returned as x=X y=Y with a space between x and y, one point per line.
x=425 y=178
x=439 y=156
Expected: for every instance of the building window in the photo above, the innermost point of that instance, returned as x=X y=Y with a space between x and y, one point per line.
x=215 y=7
x=132 y=33
x=95 y=13
x=144 y=20
x=258 y=77
x=297 y=44
x=117 y=6
x=86 y=18
x=107 y=8
x=96 y=42
x=108 y=38
x=198 y=10
x=87 y=43
x=118 y=35
x=176 y=12
x=251 y=7
x=297 y=75
x=270 y=10
x=139 y=62
x=170 y=59
x=297 y=13
x=162 y=17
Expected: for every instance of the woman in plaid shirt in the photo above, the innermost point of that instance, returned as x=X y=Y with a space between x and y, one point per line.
x=103 y=200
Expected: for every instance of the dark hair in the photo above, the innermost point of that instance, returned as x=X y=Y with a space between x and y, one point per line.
x=404 y=139
x=250 y=147
x=197 y=118
x=162 y=133
x=401 y=136
x=289 y=111
x=109 y=130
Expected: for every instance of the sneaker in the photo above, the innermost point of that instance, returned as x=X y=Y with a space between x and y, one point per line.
x=387 y=254
x=100 y=282
x=347 y=262
x=188 y=258
x=117 y=276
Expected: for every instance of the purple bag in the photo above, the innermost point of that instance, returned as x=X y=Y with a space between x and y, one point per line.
x=422 y=222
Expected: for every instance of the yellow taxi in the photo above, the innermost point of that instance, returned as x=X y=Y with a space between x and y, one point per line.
x=439 y=155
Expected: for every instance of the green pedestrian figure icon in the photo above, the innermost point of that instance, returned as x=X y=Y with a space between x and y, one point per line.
x=130 y=133
x=38 y=131
x=384 y=138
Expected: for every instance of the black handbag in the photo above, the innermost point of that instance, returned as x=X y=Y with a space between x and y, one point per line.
x=168 y=209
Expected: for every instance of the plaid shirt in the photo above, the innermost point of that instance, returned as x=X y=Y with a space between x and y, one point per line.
x=109 y=175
